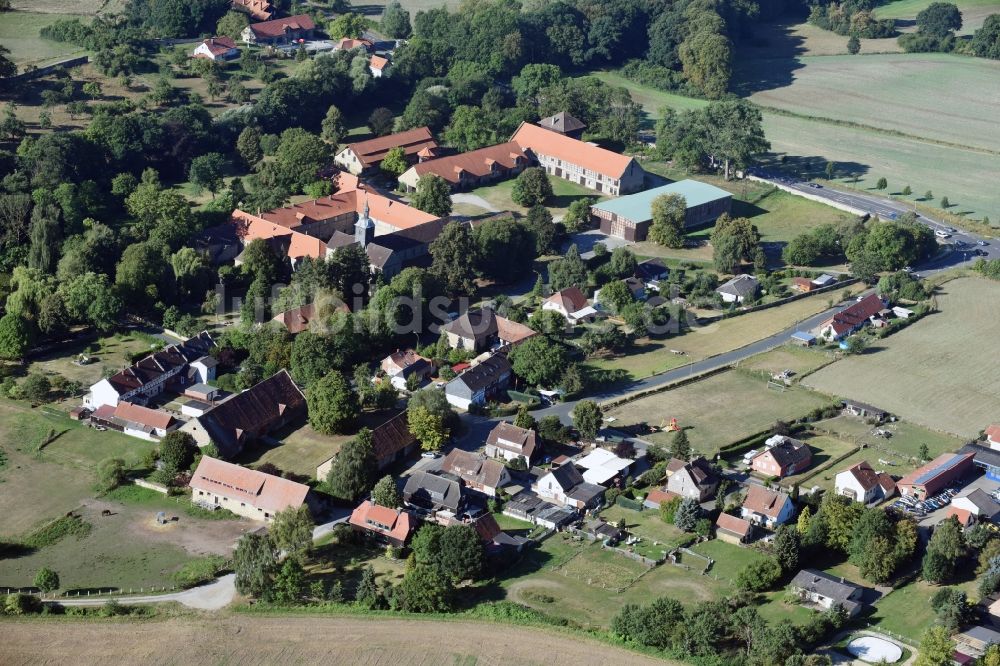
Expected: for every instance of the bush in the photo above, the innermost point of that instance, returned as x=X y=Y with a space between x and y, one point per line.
x=57 y=530
x=199 y=571
x=759 y=576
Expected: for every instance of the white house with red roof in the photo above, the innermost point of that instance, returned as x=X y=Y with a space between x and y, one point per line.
x=571 y=303
x=245 y=492
x=851 y=319
x=766 y=507
x=378 y=66
x=862 y=483
x=216 y=48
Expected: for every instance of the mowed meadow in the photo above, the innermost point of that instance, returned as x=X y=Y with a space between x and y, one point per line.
x=941 y=372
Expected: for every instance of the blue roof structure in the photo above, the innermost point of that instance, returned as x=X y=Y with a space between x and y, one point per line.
x=804 y=336
x=638 y=207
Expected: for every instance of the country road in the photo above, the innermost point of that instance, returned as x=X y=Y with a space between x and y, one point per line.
x=212 y=596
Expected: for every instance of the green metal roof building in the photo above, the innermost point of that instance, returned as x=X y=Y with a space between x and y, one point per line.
x=629 y=217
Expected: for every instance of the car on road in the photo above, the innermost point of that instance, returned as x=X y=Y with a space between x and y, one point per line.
x=981 y=243
x=907 y=269
x=816 y=186
x=430 y=454
x=950 y=230
x=941 y=233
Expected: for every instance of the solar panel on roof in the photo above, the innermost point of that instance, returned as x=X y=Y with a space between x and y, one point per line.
x=940 y=469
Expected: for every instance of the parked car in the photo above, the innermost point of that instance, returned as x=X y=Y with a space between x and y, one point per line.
x=981 y=243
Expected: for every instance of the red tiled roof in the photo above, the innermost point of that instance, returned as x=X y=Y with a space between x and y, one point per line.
x=964 y=517
x=475 y=163
x=259 y=9
x=571 y=299
x=993 y=432
x=348 y=43
x=542 y=141
x=396 y=521
x=264 y=491
x=378 y=62
x=764 y=501
x=856 y=314
x=733 y=524
x=219 y=45
x=865 y=475
x=658 y=496
x=277 y=27
x=152 y=418
x=413 y=142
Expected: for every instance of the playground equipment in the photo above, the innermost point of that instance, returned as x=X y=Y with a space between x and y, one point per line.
x=670 y=427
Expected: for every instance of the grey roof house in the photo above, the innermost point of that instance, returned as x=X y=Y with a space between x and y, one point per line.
x=740 y=288
x=697 y=479
x=479 y=383
x=564 y=123
x=430 y=492
x=825 y=591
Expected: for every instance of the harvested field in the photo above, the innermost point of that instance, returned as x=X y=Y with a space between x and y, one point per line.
x=307 y=639
x=719 y=410
x=941 y=372
x=878 y=91
x=789 y=357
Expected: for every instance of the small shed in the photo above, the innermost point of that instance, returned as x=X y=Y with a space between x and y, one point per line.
x=803 y=338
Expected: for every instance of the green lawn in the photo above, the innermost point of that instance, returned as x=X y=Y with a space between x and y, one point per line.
x=825 y=450
x=19 y=31
x=790 y=357
x=563 y=194
x=729 y=559
x=907 y=611
x=719 y=410
x=657 y=536
x=973 y=11
x=905 y=441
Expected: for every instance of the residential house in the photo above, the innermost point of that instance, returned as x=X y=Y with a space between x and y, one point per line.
x=509 y=442
x=280 y=32
x=586 y=164
x=258 y=10
x=135 y=420
x=863 y=411
x=733 y=530
x=566 y=487
x=399 y=366
x=602 y=467
x=482 y=329
x=783 y=456
x=630 y=217
x=697 y=479
x=979 y=504
x=850 y=319
x=863 y=484
x=476 y=471
x=992 y=435
x=571 y=304
x=245 y=492
x=391 y=526
x=533 y=509
x=171 y=369
x=471 y=169
x=936 y=475
x=392 y=441
x=248 y=416
x=433 y=493
x=974 y=641
x=818 y=588
x=766 y=507
x=366 y=156
x=479 y=383
x=651 y=271
x=378 y=66
x=216 y=48
x=739 y=289
x=351 y=43
x=565 y=124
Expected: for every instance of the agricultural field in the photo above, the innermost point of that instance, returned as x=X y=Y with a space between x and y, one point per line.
x=245 y=638
x=940 y=373
x=648 y=357
x=878 y=91
x=719 y=410
x=789 y=39
x=19 y=31
x=974 y=12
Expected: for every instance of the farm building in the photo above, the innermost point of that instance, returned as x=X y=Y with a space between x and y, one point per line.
x=629 y=217
x=589 y=165
x=864 y=411
x=471 y=169
x=936 y=475
x=392 y=442
x=863 y=484
x=481 y=329
x=245 y=492
x=366 y=156
x=280 y=31
x=135 y=420
x=732 y=529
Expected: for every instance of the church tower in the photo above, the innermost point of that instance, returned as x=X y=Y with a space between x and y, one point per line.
x=364 y=228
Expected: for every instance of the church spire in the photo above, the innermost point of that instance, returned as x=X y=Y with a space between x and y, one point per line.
x=364 y=228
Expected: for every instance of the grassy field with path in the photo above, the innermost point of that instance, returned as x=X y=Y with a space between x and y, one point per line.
x=719 y=410
x=19 y=32
x=940 y=372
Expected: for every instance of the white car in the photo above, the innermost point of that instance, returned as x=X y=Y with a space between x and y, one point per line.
x=941 y=233
x=429 y=454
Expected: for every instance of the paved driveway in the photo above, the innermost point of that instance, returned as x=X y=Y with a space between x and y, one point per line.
x=213 y=596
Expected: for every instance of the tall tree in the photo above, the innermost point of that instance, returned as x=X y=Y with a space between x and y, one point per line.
x=680 y=448
x=292 y=530
x=433 y=195
x=254 y=562
x=396 y=21
x=531 y=187
x=569 y=271
x=352 y=473
x=737 y=133
x=386 y=493
x=332 y=128
x=588 y=418
x=669 y=213
x=333 y=404
x=454 y=255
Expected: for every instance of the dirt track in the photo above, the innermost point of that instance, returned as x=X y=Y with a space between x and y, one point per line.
x=240 y=639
